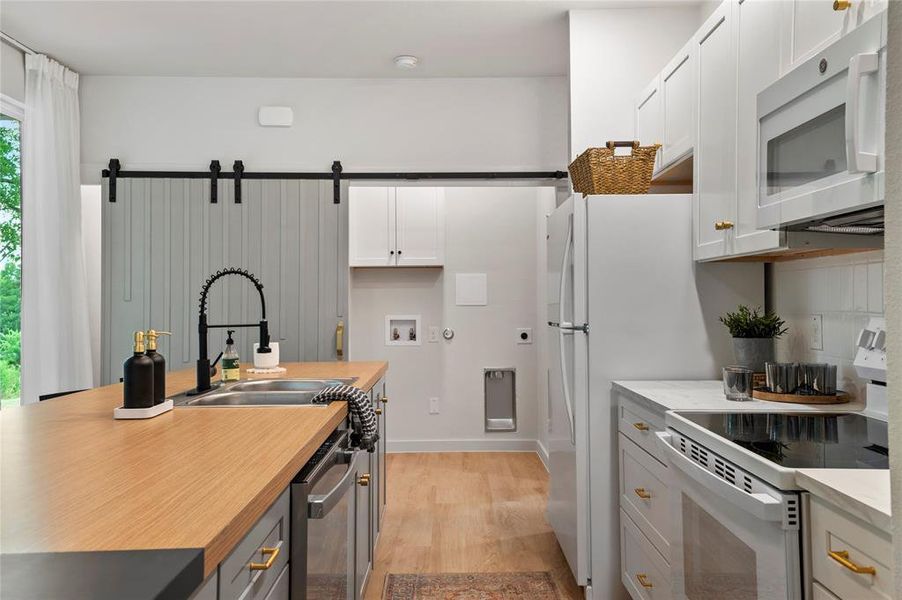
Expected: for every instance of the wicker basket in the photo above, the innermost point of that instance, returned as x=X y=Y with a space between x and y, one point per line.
x=600 y=171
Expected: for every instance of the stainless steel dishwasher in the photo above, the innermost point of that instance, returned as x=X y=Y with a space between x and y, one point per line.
x=323 y=509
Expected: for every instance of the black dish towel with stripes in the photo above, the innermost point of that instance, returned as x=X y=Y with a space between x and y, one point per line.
x=363 y=419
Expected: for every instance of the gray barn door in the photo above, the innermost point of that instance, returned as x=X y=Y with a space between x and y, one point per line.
x=162 y=238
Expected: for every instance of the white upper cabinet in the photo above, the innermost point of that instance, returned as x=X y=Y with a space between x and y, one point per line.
x=396 y=227
x=649 y=118
x=420 y=214
x=757 y=35
x=715 y=149
x=678 y=89
x=808 y=26
x=371 y=227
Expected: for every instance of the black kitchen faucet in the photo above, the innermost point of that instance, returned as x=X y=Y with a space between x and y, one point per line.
x=204 y=369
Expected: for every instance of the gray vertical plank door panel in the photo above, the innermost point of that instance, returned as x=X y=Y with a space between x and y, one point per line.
x=163 y=238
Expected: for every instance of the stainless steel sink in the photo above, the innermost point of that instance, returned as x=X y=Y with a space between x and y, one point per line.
x=230 y=398
x=285 y=385
x=262 y=392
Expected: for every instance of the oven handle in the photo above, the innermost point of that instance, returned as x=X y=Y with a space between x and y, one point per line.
x=762 y=506
x=856 y=160
x=320 y=505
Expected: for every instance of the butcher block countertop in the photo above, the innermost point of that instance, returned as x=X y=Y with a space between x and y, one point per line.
x=76 y=480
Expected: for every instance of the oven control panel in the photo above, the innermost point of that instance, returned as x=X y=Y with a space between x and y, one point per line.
x=870 y=359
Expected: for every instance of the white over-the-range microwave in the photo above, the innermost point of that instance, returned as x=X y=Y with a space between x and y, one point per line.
x=821 y=138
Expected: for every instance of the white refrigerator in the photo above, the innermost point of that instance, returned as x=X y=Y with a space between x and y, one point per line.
x=625 y=301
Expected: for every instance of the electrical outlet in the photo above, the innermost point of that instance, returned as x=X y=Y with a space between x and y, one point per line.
x=433 y=334
x=433 y=406
x=816 y=341
x=524 y=335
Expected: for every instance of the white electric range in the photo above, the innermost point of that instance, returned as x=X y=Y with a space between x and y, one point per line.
x=738 y=512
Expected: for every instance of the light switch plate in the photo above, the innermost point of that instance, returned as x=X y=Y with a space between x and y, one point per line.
x=816 y=332
x=433 y=406
x=433 y=334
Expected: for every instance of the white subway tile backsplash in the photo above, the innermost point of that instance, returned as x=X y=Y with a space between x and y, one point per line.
x=860 y=288
x=875 y=287
x=845 y=290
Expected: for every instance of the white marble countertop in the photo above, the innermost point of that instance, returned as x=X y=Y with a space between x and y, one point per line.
x=861 y=492
x=708 y=395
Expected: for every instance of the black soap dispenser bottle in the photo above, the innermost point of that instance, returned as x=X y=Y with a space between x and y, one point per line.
x=159 y=365
x=137 y=377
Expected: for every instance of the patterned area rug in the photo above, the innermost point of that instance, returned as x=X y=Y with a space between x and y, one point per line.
x=470 y=586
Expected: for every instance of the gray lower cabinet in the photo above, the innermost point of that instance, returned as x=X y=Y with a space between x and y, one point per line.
x=255 y=566
x=208 y=589
x=363 y=536
x=279 y=590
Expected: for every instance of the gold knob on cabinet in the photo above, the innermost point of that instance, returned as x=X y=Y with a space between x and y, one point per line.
x=264 y=566
x=842 y=557
x=842 y=4
x=640 y=426
x=363 y=480
x=642 y=578
x=378 y=411
x=722 y=225
x=642 y=493
x=384 y=399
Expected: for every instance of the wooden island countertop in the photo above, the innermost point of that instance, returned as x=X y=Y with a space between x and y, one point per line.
x=75 y=480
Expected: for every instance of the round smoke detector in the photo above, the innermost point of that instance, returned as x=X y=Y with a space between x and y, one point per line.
x=406 y=61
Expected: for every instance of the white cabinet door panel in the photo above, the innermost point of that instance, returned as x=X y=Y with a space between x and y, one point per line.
x=649 y=123
x=715 y=149
x=757 y=38
x=372 y=226
x=808 y=26
x=421 y=226
x=678 y=86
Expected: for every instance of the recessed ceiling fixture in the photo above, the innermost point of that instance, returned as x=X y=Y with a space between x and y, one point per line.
x=406 y=61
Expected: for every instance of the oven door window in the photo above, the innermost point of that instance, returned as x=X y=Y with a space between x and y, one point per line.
x=811 y=151
x=716 y=563
x=328 y=548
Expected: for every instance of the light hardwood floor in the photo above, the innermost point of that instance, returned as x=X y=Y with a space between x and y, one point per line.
x=467 y=512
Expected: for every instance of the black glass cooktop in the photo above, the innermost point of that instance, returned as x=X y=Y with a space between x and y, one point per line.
x=804 y=441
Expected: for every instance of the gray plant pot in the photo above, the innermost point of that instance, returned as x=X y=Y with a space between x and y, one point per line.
x=752 y=353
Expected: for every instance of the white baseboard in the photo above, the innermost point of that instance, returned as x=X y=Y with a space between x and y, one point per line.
x=396 y=446
x=542 y=451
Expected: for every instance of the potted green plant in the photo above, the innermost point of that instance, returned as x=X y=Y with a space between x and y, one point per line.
x=753 y=334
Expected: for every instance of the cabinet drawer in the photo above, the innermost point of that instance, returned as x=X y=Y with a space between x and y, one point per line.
x=818 y=592
x=236 y=578
x=644 y=573
x=279 y=589
x=644 y=494
x=640 y=424
x=839 y=543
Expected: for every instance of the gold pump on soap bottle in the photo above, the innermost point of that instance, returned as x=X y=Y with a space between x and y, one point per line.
x=159 y=365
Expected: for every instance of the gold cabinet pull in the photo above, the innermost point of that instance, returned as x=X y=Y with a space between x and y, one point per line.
x=842 y=557
x=842 y=4
x=340 y=339
x=642 y=578
x=363 y=480
x=640 y=426
x=384 y=399
x=273 y=554
x=377 y=410
x=642 y=493
x=723 y=225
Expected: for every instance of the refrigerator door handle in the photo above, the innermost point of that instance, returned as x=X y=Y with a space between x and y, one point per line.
x=564 y=331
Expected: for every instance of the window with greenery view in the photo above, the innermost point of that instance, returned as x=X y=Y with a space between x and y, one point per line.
x=10 y=259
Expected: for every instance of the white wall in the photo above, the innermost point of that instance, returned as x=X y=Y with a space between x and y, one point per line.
x=846 y=291
x=12 y=72
x=90 y=239
x=388 y=124
x=488 y=230
x=893 y=275
x=614 y=54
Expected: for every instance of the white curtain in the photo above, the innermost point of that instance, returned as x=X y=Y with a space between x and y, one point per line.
x=56 y=340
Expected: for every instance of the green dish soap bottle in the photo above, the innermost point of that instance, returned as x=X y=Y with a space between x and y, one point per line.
x=231 y=368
